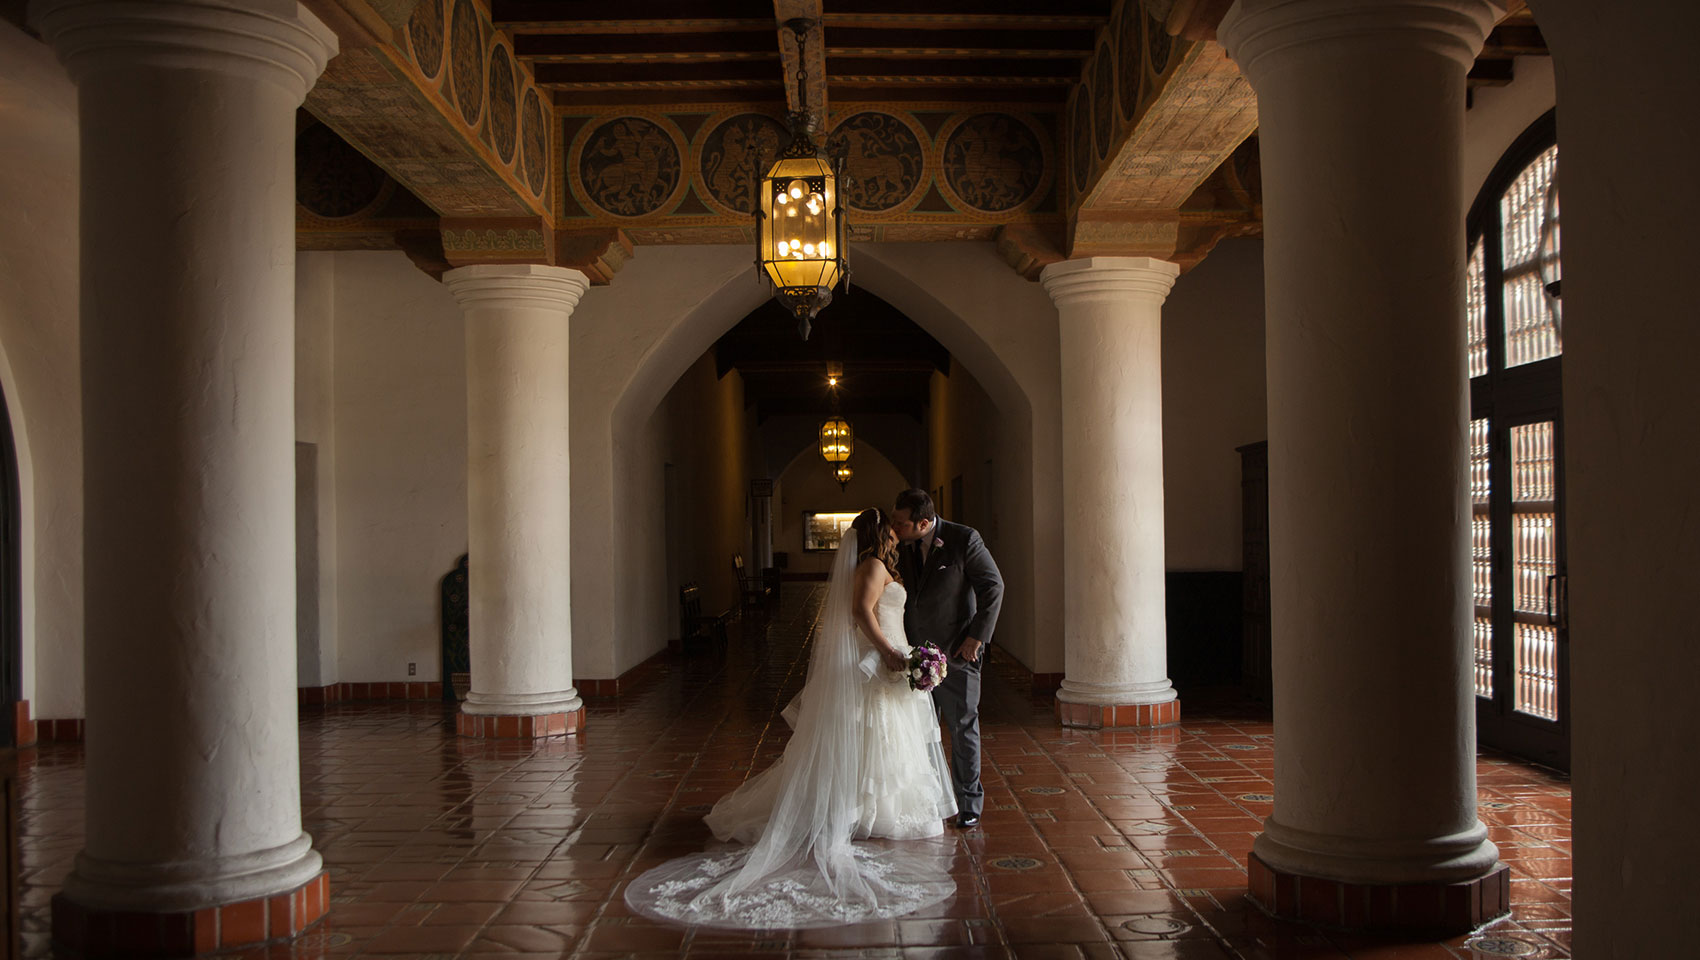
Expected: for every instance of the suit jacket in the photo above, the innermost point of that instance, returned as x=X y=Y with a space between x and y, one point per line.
x=955 y=594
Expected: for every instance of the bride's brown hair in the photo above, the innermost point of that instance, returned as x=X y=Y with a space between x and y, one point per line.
x=872 y=540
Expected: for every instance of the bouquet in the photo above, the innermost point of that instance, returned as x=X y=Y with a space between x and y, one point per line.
x=926 y=668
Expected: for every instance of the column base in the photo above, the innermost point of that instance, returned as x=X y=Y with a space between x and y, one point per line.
x=1439 y=908
x=99 y=932
x=509 y=727
x=1095 y=716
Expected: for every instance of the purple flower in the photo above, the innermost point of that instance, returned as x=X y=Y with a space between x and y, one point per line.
x=926 y=668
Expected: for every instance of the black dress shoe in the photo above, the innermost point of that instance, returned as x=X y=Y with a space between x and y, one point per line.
x=967 y=821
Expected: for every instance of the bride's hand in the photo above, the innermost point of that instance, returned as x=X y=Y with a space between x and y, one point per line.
x=894 y=661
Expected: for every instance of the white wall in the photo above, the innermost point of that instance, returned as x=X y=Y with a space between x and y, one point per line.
x=631 y=342
x=633 y=339
x=1213 y=401
x=315 y=423
x=1498 y=114
x=1003 y=330
x=964 y=429
x=399 y=396
x=1627 y=79
x=708 y=445
x=806 y=485
x=39 y=362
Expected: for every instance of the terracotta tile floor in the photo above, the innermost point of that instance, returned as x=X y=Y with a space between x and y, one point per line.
x=1094 y=844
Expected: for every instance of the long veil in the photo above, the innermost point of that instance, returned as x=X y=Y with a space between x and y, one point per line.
x=802 y=868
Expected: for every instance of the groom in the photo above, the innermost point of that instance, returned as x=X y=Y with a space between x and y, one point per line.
x=955 y=591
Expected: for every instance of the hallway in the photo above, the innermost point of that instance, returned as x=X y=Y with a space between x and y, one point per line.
x=443 y=847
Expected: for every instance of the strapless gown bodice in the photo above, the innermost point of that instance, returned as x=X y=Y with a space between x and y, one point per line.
x=888 y=610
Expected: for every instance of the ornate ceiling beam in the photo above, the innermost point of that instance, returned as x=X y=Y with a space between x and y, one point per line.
x=1152 y=119
x=430 y=92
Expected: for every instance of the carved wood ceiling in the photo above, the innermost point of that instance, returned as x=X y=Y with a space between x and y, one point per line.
x=573 y=131
x=679 y=51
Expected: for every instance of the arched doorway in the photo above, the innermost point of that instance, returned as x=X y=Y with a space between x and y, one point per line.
x=672 y=304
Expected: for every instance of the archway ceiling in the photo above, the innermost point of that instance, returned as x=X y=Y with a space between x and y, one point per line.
x=571 y=131
x=888 y=360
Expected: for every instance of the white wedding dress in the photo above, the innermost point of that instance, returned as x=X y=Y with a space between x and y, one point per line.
x=864 y=763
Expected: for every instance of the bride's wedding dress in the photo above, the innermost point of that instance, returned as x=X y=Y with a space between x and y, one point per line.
x=864 y=763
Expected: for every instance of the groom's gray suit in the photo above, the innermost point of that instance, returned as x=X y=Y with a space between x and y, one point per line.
x=954 y=593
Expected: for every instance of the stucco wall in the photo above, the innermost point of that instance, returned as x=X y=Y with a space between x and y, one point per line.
x=400 y=452
x=707 y=444
x=633 y=339
x=965 y=431
x=315 y=424
x=807 y=485
x=1213 y=401
x=1498 y=114
x=1626 y=172
x=39 y=362
x=1003 y=331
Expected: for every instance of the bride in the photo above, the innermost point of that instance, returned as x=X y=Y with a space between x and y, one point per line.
x=864 y=763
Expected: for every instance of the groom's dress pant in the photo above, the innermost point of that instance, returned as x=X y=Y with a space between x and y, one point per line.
x=957 y=700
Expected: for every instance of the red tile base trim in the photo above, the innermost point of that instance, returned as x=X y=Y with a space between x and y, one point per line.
x=625 y=681
x=1046 y=684
x=22 y=726
x=519 y=728
x=1042 y=684
x=377 y=690
x=63 y=730
x=1093 y=716
x=94 y=932
x=1437 y=908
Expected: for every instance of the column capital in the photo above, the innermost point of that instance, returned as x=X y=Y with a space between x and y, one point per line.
x=1109 y=280
x=279 y=41
x=1256 y=29
x=516 y=286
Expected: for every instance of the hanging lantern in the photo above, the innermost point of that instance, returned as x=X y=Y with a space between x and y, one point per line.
x=799 y=222
x=837 y=440
x=842 y=474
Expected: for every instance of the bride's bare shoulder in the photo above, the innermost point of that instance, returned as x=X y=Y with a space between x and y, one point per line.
x=874 y=568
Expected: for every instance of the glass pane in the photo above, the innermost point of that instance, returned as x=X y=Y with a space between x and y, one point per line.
x=1481 y=556
x=1532 y=462
x=1537 y=670
x=1534 y=558
x=1528 y=215
x=1475 y=310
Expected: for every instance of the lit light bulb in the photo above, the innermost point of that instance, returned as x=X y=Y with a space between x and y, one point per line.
x=782 y=198
x=825 y=249
x=797 y=189
x=832 y=381
x=790 y=211
x=809 y=249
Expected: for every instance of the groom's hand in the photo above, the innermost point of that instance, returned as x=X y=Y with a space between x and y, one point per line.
x=970 y=650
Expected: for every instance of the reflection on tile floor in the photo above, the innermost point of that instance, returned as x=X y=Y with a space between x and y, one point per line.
x=1094 y=844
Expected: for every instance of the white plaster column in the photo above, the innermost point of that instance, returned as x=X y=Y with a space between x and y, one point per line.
x=1110 y=322
x=518 y=499
x=1361 y=110
x=187 y=119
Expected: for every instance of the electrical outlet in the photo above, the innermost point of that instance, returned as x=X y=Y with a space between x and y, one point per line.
x=412 y=668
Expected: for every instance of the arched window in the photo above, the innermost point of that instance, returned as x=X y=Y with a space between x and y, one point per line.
x=1515 y=343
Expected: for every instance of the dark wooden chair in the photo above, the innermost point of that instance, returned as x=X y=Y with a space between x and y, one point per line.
x=694 y=625
x=753 y=591
x=457 y=645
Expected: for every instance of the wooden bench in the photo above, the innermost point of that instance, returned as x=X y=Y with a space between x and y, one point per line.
x=694 y=625
x=754 y=591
